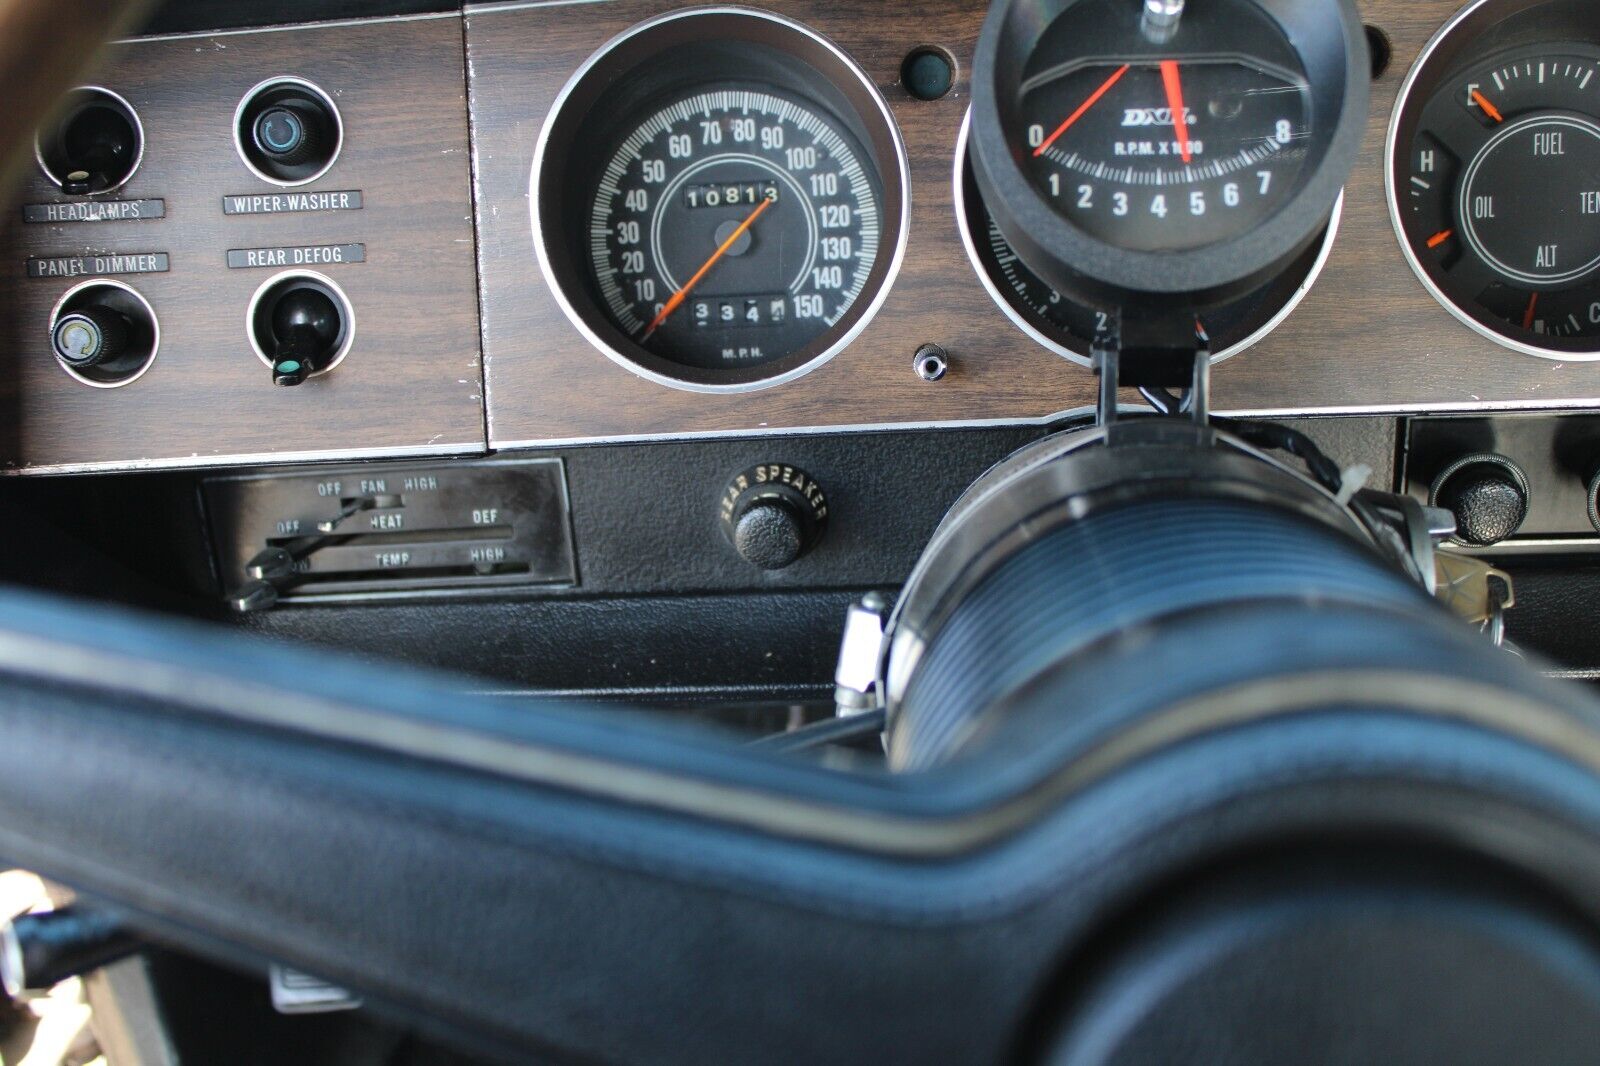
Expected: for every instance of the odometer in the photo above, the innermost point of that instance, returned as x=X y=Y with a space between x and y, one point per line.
x=733 y=228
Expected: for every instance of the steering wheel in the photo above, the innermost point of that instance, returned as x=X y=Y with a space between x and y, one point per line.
x=1312 y=823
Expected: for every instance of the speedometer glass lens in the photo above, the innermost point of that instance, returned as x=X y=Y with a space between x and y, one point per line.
x=1165 y=155
x=733 y=228
x=720 y=199
x=1495 y=182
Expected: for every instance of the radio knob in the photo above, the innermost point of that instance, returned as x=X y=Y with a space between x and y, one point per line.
x=1487 y=493
x=773 y=514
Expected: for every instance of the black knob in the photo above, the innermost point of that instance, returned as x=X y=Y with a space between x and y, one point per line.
x=94 y=146
x=306 y=326
x=288 y=133
x=770 y=534
x=773 y=514
x=91 y=336
x=1594 y=498
x=1487 y=493
x=38 y=951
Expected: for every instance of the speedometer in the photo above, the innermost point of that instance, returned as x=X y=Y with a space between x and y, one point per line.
x=719 y=200
x=734 y=227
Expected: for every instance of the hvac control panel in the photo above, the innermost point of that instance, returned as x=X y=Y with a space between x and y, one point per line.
x=353 y=533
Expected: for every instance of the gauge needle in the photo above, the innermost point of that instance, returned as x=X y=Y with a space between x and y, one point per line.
x=1533 y=307
x=1094 y=98
x=1488 y=108
x=1180 y=121
x=700 y=275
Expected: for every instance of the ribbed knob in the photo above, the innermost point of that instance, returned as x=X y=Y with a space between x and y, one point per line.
x=91 y=336
x=287 y=134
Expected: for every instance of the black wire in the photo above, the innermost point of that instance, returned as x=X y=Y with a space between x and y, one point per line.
x=1276 y=437
x=827 y=731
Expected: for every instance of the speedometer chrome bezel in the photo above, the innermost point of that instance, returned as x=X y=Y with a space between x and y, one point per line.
x=894 y=172
x=1462 y=30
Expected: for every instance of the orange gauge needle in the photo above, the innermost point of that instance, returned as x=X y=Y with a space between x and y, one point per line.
x=1488 y=108
x=1180 y=121
x=1533 y=307
x=700 y=275
x=1440 y=237
x=1094 y=98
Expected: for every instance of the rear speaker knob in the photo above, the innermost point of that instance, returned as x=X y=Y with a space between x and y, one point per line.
x=773 y=514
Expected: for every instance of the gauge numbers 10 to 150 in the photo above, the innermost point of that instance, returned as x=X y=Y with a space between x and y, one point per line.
x=733 y=228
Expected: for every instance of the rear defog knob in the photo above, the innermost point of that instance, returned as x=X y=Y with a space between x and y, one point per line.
x=773 y=514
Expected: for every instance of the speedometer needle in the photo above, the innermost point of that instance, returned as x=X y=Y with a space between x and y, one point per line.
x=1180 y=120
x=700 y=275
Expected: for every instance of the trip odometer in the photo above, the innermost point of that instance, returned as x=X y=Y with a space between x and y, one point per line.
x=719 y=200
x=733 y=228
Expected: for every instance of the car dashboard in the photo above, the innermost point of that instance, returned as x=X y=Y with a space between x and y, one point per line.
x=687 y=357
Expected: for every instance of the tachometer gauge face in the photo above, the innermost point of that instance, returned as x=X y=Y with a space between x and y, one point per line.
x=1162 y=159
x=1165 y=155
x=732 y=228
x=1068 y=326
x=1498 y=196
x=720 y=200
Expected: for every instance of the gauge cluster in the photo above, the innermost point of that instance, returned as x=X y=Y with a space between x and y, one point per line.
x=1494 y=174
x=692 y=220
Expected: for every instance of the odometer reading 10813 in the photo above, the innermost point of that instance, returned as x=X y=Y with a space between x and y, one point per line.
x=734 y=228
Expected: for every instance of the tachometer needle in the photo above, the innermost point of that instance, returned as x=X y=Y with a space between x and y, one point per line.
x=700 y=275
x=1533 y=309
x=1488 y=108
x=1180 y=120
x=1094 y=98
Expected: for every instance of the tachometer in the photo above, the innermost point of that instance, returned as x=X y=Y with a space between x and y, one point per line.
x=1183 y=153
x=719 y=200
x=1157 y=155
x=1068 y=327
x=1494 y=174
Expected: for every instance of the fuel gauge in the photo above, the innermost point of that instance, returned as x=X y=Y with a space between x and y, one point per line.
x=1496 y=193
